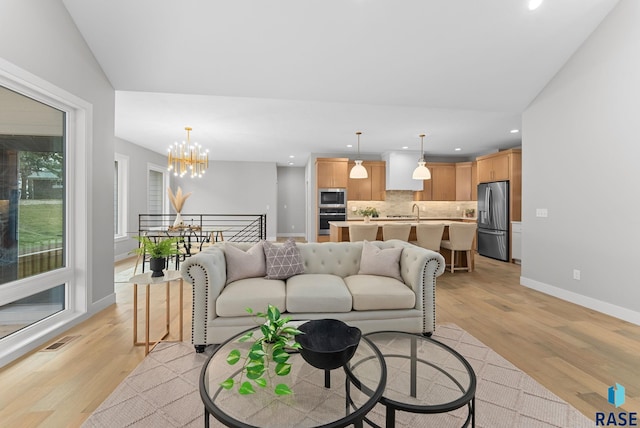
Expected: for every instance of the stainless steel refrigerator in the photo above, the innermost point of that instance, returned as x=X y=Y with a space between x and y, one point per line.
x=493 y=220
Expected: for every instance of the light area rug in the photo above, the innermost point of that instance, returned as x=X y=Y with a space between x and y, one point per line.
x=163 y=392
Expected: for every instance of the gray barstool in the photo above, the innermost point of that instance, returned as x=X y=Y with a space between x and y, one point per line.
x=460 y=239
x=362 y=232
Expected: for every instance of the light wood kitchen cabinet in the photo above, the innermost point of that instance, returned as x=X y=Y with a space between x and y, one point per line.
x=494 y=167
x=466 y=182
x=332 y=172
x=441 y=186
x=371 y=188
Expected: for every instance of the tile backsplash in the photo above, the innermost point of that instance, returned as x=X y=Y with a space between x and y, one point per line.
x=400 y=202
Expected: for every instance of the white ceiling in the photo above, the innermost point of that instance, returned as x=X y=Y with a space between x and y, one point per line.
x=263 y=80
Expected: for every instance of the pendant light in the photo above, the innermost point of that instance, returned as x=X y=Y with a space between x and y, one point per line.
x=421 y=172
x=358 y=171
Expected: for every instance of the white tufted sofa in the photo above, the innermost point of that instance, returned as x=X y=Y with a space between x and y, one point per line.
x=329 y=288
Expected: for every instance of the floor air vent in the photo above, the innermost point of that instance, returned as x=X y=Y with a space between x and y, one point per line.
x=60 y=343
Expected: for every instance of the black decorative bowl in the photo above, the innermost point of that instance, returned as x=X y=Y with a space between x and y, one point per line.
x=328 y=344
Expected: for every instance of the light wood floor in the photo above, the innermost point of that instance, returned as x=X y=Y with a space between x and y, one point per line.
x=575 y=352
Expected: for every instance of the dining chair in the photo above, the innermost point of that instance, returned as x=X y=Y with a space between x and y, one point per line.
x=461 y=237
x=362 y=232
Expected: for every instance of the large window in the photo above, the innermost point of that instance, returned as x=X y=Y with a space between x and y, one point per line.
x=32 y=207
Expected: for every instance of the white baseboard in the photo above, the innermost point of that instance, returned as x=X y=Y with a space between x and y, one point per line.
x=30 y=338
x=292 y=235
x=586 y=301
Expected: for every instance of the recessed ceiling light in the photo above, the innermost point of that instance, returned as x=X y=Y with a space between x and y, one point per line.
x=405 y=147
x=457 y=149
x=291 y=156
x=514 y=131
x=534 y=4
x=349 y=145
x=290 y=163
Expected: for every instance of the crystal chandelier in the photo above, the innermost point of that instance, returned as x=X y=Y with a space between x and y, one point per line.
x=186 y=158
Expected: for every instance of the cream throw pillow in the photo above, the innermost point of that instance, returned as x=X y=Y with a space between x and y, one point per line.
x=245 y=264
x=284 y=261
x=376 y=261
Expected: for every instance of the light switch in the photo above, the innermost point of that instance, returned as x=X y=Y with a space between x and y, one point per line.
x=542 y=212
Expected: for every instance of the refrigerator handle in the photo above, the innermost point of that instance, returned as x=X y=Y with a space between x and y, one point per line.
x=487 y=198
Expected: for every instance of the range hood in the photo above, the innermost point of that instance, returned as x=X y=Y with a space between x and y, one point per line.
x=400 y=166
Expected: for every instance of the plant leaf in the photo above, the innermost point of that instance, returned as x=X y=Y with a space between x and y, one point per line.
x=282 y=389
x=274 y=313
x=254 y=375
x=283 y=369
x=256 y=354
x=233 y=357
x=291 y=330
x=246 y=337
x=246 y=388
x=261 y=382
x=227 y=384
x=280 y=356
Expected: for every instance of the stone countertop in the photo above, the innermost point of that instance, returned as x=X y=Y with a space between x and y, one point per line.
x=412 y=219
x=406 y=220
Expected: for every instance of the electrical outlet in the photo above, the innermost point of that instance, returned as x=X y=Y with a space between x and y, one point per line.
x=576 y=274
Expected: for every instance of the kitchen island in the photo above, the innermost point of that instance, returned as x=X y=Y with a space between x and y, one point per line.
x=339 y=231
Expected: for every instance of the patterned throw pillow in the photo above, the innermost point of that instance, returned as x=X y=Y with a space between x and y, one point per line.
x=284 y=261
x=376 y=261
x=244 y=264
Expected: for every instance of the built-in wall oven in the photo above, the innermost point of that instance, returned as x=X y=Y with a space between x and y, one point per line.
x=329 y=214
x=332 y=206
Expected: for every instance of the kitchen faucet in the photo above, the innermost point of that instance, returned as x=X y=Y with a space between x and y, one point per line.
x=413 y=209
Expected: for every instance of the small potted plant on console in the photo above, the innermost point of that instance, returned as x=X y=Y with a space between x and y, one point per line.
x=158 y=251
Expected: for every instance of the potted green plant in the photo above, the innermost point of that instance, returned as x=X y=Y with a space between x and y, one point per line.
x=368 y=212
x=267 y=356
x=158 y=251
x=469 y=212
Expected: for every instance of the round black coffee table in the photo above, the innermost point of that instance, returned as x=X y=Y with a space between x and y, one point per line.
x=423 y=376
x=353 y=391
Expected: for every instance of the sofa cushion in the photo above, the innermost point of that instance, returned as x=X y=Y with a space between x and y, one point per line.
x=376 y=261
x=317 y=293
x=372 y=292
x=254 y=293
x=283 y=261
x=245 y=264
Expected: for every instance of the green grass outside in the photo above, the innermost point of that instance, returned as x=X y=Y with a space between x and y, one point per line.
x=40 y=224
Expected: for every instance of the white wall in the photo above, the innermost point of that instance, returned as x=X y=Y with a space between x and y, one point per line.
x=139 y=158
x=234 y=188
x=291 y=201
x=39 y=36
x=581 y=161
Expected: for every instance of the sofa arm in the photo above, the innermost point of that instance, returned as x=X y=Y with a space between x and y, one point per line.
x=420 y=268
x=207 y=272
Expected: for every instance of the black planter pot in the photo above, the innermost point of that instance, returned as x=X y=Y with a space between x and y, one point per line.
x=327 y=343
x=157 y=266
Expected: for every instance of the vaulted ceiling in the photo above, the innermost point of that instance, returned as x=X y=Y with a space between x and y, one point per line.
x=265 y=80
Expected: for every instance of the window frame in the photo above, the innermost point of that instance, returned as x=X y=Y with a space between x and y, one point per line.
x=123 y=197
x=77 y=223
x=166 y=177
